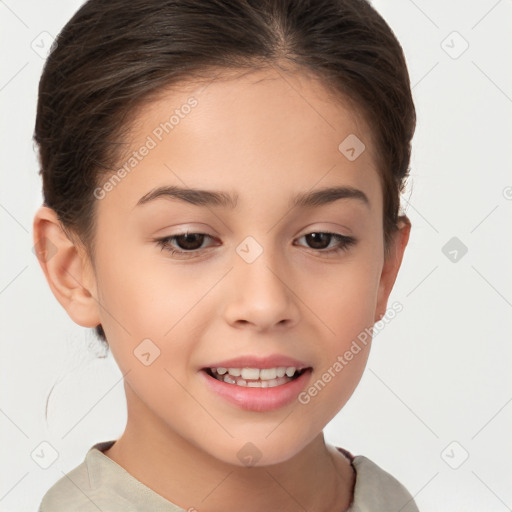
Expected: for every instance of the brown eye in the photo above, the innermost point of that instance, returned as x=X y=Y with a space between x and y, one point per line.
x=317 y=240
x=320 y=241
x=190 y=241
x=185 y=244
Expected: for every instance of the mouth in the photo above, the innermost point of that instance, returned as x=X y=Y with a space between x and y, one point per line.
x=257 y=383
x=256 y=377
x=257 y=389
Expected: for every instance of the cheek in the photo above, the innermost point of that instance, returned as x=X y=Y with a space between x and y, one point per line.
x=346 y=308
x=151 y=306
x=144 y=295
x=344 y=298
x=345 y=304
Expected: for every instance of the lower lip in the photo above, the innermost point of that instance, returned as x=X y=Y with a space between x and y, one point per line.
x=258 y=399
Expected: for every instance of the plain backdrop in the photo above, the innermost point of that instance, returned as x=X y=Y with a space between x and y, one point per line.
x=434 y=405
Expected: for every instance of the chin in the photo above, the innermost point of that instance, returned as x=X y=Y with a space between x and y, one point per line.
x=258 y=451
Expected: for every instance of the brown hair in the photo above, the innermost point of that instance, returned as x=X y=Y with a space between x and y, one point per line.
x=113 y=56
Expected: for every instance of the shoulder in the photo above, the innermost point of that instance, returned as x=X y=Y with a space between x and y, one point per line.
x=376 y=490
x=99 y=483
x=78 y=491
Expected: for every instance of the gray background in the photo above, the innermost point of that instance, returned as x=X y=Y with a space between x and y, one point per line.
x=434 y=405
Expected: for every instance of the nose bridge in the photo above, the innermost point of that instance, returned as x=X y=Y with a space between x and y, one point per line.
x=261 y=295
x=259 y=265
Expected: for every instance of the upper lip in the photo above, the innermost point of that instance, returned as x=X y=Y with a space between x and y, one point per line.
x=248 y=361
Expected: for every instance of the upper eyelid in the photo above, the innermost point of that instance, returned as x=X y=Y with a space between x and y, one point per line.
x=191 y=232
x=169 y=238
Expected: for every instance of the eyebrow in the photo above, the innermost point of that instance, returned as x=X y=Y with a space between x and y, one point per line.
x=212 y=198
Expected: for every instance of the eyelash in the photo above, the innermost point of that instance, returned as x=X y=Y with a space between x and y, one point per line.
x=345 y=243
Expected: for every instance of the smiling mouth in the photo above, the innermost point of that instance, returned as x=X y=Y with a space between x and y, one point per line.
x=256 y=377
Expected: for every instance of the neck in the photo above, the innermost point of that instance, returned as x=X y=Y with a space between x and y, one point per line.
x=317 y=479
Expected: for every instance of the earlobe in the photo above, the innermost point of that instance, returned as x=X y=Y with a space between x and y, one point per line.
x=66 y=268
x=392 y=265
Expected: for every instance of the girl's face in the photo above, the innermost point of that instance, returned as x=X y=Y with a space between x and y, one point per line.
x=259 y=282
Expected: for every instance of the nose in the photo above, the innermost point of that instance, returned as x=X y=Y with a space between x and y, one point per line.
x=261 y=295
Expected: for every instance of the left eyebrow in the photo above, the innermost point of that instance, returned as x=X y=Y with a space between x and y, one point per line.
x=223 y=199
x=329 y=195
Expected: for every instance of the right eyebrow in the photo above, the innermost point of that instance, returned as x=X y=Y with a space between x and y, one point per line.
x=193 y=196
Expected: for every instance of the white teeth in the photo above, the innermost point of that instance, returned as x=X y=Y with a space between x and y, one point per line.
x=250 y=373
x=255 y=377
x=257 y=373
x=268 y=373
x=281 y=371
x=229 y=379
x=289 y=371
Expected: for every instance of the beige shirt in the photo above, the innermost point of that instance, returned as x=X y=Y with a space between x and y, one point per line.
x=101 y=485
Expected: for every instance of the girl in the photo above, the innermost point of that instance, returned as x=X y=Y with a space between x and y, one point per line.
x=221 y=187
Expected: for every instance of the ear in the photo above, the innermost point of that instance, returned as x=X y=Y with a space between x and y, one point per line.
x=66 y=267
x=391 y=265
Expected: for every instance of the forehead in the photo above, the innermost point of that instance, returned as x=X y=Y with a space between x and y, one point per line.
x=253 y=133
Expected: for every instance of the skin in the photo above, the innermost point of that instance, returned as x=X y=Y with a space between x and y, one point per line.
x=265 y=136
